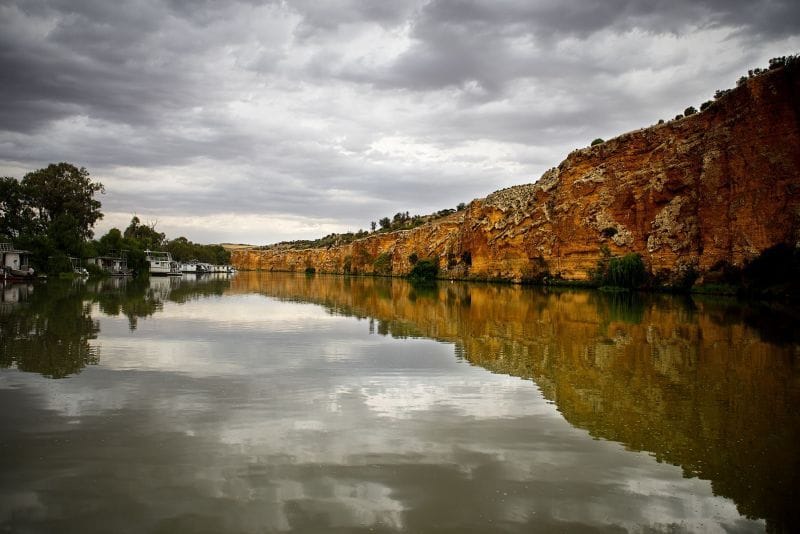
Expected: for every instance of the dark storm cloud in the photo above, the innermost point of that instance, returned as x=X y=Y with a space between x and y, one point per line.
x=458 y=41
x=96 y=61
x=318 y=16
x=349 y=109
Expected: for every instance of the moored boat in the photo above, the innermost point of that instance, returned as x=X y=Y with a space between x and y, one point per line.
x=191 y=267
x=113 y=264
x=15 y=263
x=161 y=263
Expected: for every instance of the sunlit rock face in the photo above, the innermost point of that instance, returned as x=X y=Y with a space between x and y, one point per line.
x=720 y=186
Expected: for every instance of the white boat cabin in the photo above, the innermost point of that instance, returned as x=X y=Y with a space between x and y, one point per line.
x=15 y=262
x=161 y=263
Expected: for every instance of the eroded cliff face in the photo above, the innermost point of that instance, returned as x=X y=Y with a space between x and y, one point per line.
x=692 y=195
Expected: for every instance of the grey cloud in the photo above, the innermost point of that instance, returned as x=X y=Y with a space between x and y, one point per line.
x=169 y=87
x=91 y=65
x=582 y=17
x=457 y=42
x=318 y=16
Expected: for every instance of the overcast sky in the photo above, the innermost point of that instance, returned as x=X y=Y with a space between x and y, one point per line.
x=254 y=122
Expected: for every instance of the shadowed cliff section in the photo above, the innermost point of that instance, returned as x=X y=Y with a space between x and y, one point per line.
x=705 y=384
x=693 y=197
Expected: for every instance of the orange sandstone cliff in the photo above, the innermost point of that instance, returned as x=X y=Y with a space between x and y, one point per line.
x=713 y=189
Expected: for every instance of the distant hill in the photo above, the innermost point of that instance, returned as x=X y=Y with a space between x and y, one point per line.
x=235 y=246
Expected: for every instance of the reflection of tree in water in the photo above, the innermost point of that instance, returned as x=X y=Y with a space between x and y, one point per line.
x=206 y=286
x=618 y=306
x=49 y=332
x=132 y=298
x=139 y=298
x=48 y=329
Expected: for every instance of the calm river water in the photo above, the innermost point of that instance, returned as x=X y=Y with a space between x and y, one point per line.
x=279 y=402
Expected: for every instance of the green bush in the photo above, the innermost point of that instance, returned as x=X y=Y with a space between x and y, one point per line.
x=383 y=263
x=424 y=270
x=689 y=111
x=59 y=263
x=627 y=271
x=597 y=141
x=94 y=270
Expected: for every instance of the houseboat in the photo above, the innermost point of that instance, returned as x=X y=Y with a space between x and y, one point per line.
x=77 y=268
x=15 y=263
x=161 y=263
x=191 y=267
x=114 y=264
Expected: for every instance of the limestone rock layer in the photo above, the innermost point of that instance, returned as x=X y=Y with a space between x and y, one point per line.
x=712 y=189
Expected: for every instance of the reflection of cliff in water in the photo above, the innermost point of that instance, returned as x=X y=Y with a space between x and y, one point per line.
x=704 y=384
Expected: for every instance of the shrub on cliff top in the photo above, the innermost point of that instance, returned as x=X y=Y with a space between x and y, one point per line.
x=597 y=141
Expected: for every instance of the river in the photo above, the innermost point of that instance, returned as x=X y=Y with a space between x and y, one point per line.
x=270 y=402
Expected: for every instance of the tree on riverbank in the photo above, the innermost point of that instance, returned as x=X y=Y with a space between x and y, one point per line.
x=51 y=212
x=139 y=237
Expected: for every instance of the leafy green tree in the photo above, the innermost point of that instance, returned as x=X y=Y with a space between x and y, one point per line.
x=60 y=190
x=14 y=211
x=113 y=240
x=385 y=223
x=51 y=212
x=143 y=235
x=689 y=111
x=182 y=249
x=65 y=234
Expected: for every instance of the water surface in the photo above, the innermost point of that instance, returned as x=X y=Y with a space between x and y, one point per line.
x=277 y=402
